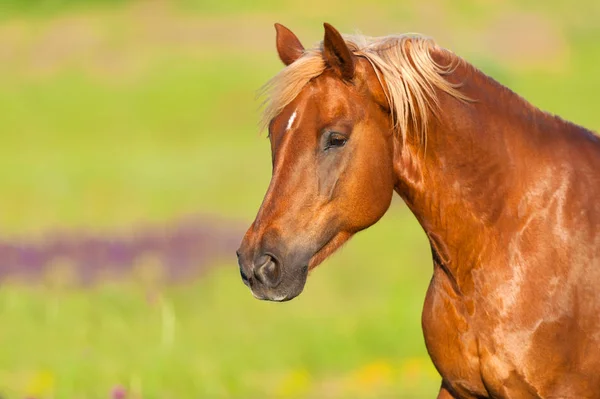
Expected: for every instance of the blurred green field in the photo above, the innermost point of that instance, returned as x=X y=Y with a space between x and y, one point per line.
x=116 y=112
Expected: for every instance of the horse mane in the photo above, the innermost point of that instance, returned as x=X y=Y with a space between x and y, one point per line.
x=403 y=64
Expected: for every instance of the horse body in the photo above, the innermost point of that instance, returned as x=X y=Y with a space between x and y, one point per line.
x=512 y=309
x=505 y=193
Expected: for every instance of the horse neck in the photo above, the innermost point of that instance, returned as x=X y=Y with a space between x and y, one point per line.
x=464 y=186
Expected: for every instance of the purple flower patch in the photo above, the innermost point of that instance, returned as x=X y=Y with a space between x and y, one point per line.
x=182 y=248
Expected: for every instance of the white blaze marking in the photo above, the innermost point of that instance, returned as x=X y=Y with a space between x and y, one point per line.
x=292 y=119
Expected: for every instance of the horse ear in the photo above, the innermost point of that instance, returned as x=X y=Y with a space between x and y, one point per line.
x=337 y=54
x=288 y=45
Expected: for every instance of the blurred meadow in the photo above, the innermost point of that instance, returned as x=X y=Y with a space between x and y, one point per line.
x=131 y=164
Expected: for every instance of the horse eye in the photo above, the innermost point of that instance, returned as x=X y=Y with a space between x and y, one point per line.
x=336 y=140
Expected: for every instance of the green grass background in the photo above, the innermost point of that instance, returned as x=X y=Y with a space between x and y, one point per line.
x=114 y=112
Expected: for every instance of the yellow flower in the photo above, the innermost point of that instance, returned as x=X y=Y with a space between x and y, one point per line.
x=41 y=384
x=295 y=383
x=373 y=375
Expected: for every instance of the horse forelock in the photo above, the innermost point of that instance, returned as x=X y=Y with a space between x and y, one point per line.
x=403 y=64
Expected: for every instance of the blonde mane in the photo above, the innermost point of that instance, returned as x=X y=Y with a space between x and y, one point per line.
x=403 y=61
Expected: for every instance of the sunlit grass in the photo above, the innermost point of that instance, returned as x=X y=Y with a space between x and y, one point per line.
x=211 y=338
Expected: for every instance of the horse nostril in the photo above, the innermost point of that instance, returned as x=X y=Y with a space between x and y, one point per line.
x=244 y=277
x=269 y=272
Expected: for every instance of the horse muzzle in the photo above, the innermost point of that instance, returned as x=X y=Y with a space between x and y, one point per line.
x=271 y=276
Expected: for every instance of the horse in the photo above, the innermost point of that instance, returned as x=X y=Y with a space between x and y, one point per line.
x=507 y=195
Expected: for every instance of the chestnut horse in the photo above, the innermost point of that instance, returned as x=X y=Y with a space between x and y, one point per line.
x=507 y=194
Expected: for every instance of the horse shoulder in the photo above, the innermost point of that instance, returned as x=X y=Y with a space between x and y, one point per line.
x=450 y=337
